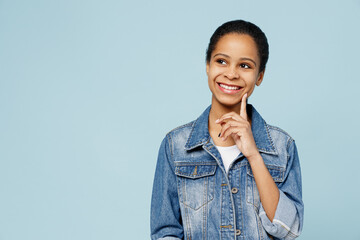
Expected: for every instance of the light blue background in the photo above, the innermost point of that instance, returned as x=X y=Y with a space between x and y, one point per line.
x=88 y=89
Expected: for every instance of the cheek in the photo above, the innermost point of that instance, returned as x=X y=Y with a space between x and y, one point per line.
x=250 y=82
x=214 y=73
x=250 y=78
x=212 y=77
x=211 y=81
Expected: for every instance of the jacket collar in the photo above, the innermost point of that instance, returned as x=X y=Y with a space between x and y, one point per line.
x=199 y=134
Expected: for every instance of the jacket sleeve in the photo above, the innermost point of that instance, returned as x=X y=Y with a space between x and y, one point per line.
x=288 y=219
x=165 y=217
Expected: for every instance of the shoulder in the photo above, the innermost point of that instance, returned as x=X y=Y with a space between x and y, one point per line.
x=279 y=135
x=282 y=142
x=185 y=127
x=181 y=133
x=175 y=140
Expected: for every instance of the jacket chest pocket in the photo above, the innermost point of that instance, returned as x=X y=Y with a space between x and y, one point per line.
x=252 y=193
x=195 y=184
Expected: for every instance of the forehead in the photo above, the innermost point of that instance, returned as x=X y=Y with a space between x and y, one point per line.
x=237 y=46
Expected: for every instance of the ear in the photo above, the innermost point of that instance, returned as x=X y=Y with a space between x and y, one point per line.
x=260 y=78
x=207 y=68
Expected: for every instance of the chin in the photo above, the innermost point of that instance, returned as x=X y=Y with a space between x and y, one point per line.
x=229 y=104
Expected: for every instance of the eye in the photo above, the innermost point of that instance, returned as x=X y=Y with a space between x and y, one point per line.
x=244 y=65
x=221 y=61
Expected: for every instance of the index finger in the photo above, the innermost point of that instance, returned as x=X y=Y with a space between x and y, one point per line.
x=243 y=112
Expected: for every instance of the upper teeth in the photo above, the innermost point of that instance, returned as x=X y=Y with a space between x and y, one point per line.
x=228 y=87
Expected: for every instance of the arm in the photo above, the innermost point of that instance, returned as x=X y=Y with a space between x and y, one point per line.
x=165 y=217
x=281 y=210
x=288 y=219
x=238 y=127
x=268 y=191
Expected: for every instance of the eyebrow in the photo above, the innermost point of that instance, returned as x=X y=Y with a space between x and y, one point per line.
x=245 y=58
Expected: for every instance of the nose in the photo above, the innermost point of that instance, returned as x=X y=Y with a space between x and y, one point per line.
x=231 y=73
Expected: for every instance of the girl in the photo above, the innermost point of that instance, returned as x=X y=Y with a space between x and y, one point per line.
x=229 y=174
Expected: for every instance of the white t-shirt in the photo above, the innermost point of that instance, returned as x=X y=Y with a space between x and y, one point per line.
x=228 y=155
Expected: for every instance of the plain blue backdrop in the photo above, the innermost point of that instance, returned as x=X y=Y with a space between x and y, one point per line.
x=88 y=89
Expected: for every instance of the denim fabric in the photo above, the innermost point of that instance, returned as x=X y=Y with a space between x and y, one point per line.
x=194 y=198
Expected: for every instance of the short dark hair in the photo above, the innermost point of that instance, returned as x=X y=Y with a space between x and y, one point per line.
x=241 y=27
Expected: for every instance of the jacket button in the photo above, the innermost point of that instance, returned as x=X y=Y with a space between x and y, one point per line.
x=234 y=190
x=238 y=232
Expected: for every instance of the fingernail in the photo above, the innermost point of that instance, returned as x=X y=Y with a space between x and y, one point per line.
x=223 y=138
x=217 y=120
x=219 y=134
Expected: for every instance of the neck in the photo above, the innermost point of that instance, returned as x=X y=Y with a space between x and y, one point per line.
x=217 y=110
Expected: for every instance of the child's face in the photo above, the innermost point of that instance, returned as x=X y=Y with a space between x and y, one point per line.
x=233 y=69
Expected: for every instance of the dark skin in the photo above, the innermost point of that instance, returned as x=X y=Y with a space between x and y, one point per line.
x=233 y=73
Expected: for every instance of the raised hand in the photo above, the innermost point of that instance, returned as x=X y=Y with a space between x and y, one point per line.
x=238 y=127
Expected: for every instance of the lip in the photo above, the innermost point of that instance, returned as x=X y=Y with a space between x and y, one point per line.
x=227 y=91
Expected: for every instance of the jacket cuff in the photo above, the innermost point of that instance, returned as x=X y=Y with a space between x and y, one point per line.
x=285 y=224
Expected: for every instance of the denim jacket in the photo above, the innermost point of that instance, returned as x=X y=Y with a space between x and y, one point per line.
x=195 y=198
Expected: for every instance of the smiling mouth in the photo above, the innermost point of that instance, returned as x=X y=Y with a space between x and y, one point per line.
x=230 y=89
